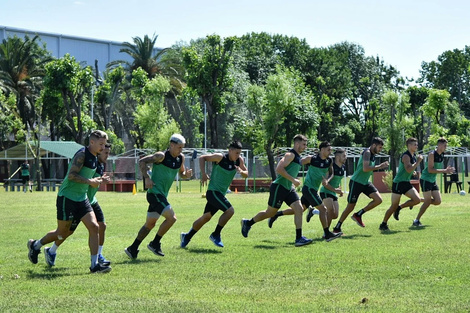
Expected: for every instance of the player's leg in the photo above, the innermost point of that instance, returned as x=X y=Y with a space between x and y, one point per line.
x=394 y=205
x=170 y=220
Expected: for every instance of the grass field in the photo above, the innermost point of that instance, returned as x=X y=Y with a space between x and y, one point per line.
x=407 y=270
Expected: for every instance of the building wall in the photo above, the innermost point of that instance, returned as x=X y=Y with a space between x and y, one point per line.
x=85 y=50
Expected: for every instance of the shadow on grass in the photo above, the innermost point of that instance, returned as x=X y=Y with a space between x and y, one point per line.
x=354 y=236
x=139 y=261
x=204 y=251
x=419 y=227
x=51 y=273
x=390 y=232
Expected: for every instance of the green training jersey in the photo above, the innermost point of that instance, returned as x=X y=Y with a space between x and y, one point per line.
x=402 y=175
x=293 y=169
x=335 y=182
x=438 y=164
x=317 y=169
x=222 y=174
x=91 y=194
x=164 y=173
x=78 y=191
x=24 y=169
x=359 y=175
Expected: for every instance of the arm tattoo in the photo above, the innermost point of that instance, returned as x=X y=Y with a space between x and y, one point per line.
x=77 y=164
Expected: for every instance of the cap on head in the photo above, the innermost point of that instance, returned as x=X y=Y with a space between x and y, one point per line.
x=178 y=139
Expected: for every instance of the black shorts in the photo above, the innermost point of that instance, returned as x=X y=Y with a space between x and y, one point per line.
x=325 y=195
x=98 y=213
x=216 y=201
x=310 y=197
x=72 y=210
x=428 y=186
x=157 y=203
x=279 y=194
x=24 y=179
x=401 y=187
x=355 y=189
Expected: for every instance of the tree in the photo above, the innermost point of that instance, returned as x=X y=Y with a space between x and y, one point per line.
x=21 y=71
x=66 y=77
x=154 y=126
x=208 y=75
x=450 y=72
x=276 y=106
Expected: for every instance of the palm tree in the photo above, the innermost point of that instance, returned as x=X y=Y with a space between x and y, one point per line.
x=21 y=72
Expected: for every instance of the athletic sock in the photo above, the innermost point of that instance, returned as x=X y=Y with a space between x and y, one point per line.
x=37 y=245
x=217 y=230
x=135 y=245
x=250 y=222
x=361 y=212
x=100 y=250
x=157 y=238
x=279 y=213
x=338 y=225
x=94 y=260
x=298 y=233
x=326 y=230
x=191 y=233
x=53 y=248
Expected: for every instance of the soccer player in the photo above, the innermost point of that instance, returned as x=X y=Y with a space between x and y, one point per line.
x=330 y=200
x=401 y=183
x=225 y=166
x=25 y=179
x=165 y=166
x=320 y=166
x=282 y=189
x=433 y=166
x=359 y=183
x=73 y=204
x=51 y=253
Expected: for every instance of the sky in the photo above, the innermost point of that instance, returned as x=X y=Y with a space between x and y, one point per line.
x=403 y=33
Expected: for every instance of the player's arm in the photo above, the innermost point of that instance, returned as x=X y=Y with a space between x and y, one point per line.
x=281 y=168
x=241 y=169
x=326 y=181
x=185 y=172
x=143 y=165
x=407 y=163
x=432 y=170
x=214 y=157
x=77 y=164
x=366 y=167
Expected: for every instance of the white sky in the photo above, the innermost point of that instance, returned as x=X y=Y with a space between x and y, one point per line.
x=402 y=33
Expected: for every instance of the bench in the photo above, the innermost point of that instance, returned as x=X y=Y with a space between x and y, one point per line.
x=453 y=179
x=250 y=184
x=118 y=186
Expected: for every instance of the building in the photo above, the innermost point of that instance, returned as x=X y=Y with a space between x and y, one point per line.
x=85 y=50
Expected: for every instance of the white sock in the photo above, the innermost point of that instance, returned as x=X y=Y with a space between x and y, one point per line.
x=94 y=260
x=100 y=250
x=53 y=249
x=37 y=245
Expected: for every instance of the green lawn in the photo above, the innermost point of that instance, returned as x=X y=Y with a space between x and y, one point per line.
x=407 y=270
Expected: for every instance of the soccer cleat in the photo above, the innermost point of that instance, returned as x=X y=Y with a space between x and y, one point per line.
x=50 y=258
x=33 y=253
x=417 y=223
x=102 y=260
x=309 y=214
x=384 y=227
x=130 y=253
x=397 y=213
x=98 y=268
x=245 y=228
x=356 y=218
x=330 y=236
x=302 y=241
x=184 y=242
x=216 y=240
x=156 y=250
x=271 y=220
